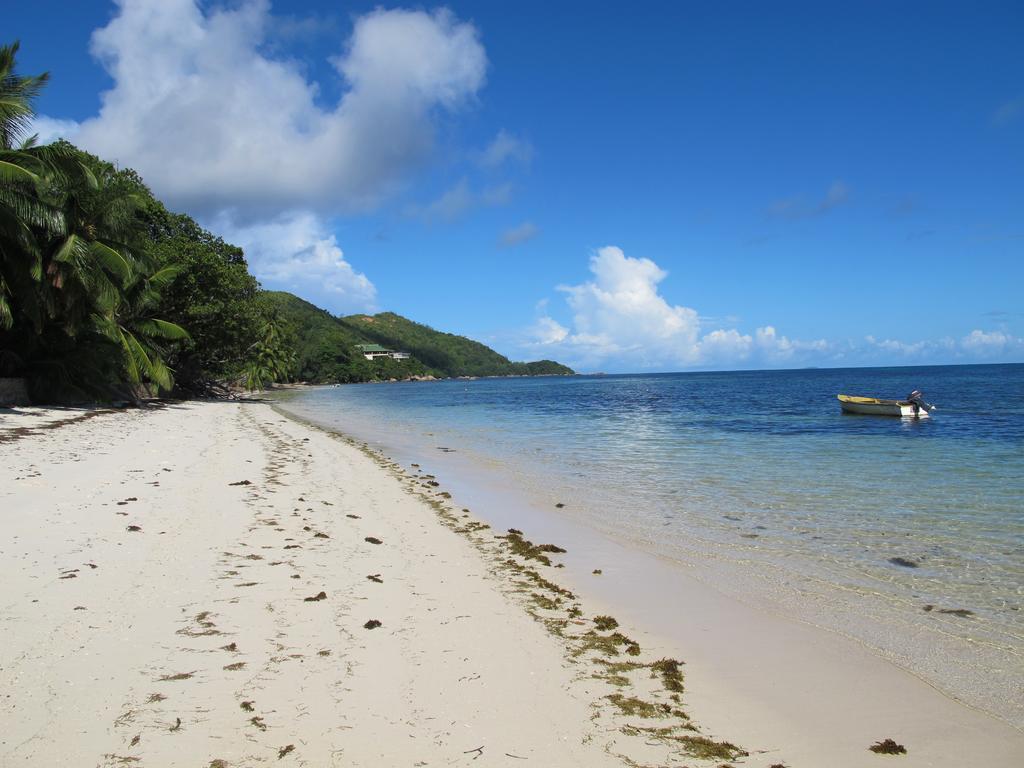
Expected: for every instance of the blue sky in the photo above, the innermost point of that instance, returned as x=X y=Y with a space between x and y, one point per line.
x=642 y=186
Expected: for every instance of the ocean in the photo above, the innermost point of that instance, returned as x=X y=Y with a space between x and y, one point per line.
x=907 y=535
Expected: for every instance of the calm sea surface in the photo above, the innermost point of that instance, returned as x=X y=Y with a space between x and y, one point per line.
x=780 y=498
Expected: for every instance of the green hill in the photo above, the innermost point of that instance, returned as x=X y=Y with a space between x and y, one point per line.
x=326 y=347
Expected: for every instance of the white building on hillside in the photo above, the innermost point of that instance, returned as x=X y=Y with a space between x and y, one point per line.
x=373 y=351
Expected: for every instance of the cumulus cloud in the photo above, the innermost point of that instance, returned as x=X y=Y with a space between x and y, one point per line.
x=978 y=345
x=620 y=318
x=991 y=343
x=49 y=129
x=520 y=234
x=296 y=251
x=619 y=315
x=212 y=122
x=224 y=126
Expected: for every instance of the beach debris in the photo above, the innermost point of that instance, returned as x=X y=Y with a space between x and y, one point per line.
x=175 y=677
x=324 y=652
x=888 y=747
x=372 y=624
x=285 y=750
x=218 y=763
x=80 y=608
x=247 y=706
x=320 y=535
x=375 y=577
x=963 y=613
x=92 y=565
x=559 y=505
x=316 y=598
x=605 y=623
x=155 y=697
x=135 y=528
x=69 y=575
x=354 y=517
x=245 y=482
x=903 y=562
x=634 y=707
x=670 y=674
x=554 y=549
x=177 y=724
x=479 y=752
x=230 y=647
x=597 y=571
x=238 y=665
x=526 y=549
x=136 y=740
x=247 y=584
x=373 y=540
x=258 y=722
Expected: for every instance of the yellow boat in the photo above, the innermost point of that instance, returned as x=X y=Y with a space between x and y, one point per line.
x=914 y=407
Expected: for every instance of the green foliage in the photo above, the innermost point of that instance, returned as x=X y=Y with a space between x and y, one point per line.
x=446 y=353
x=326 y=348
x=102 y=289
x=213 y=296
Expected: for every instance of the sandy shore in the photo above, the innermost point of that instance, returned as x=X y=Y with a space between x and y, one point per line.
x=199 y=585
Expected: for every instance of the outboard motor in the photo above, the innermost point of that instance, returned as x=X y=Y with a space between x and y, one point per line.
x=917 y=398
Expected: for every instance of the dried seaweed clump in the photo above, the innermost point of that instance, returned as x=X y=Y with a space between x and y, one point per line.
x=527 y=550
x=888 y=747
x=670 y=673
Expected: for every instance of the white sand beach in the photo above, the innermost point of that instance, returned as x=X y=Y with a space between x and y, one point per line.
x=200 y=584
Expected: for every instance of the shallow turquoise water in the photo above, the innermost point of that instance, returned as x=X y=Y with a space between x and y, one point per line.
x=759 y=477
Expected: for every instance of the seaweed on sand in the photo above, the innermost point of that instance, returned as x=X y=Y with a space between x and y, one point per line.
x=670 y=673
x=888 y=747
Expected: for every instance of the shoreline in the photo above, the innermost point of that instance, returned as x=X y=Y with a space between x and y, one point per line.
x=217 y=584
x=866 y=598
x=478 y=647
x=857 y=686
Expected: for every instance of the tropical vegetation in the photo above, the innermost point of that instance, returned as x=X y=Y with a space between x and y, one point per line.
x=106 y=294
x=103 y=292
x=327 y=347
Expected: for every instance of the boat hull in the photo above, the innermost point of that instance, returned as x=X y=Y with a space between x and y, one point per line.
x=871 y=406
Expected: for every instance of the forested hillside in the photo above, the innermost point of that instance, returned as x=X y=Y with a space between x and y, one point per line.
x=325 y=347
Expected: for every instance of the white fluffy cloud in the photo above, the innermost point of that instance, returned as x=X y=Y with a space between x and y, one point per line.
x=978 y=345
x=213 y=123
x=620 y=316
x=222 y=128
x=295 y=251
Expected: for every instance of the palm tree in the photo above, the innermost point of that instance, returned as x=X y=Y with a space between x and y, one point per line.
x=130 y=325
x=24 y=169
